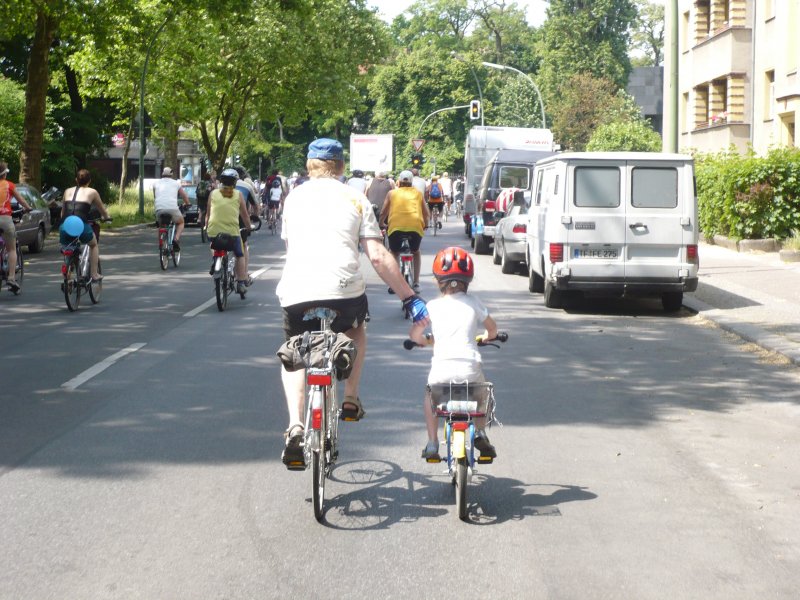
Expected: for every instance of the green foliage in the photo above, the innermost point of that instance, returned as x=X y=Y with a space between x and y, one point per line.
x=631 y=136
x=126 y=210
x=647 y=36
x=749 y=197
x=12 y=107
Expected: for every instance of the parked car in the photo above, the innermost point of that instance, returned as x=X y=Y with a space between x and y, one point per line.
x=510 y=235
x=53 y=199
x=34 y=226
x=191 y=212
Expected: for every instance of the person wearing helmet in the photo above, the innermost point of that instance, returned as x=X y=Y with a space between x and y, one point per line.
x=455 y=318
x=166 y=192
x=79 y=201
x=435 y=197
x=324 y=223
x=226 y=207
x=406 y=214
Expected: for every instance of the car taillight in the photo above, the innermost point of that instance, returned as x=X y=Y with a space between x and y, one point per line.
x=556 y=253
x=489 y=205
x=520 y=228
x=691 y=253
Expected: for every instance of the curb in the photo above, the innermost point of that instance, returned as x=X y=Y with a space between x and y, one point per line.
x=746 y=331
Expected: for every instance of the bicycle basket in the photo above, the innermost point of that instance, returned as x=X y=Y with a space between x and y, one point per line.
x=461 y=398
x=223 y=241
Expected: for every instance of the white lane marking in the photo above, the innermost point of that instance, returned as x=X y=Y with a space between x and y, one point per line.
x=196 y=311
x=100 y=367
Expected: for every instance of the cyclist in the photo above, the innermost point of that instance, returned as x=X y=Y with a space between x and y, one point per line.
x=202 y=191
x=435 y=201
x=79 y=201
x=167 y=191
x=406 y=213
x=324 y=222
x=455 y=318
x=275 y=200
x=248 y=190
x=226 y=209
x=7 y=191
x=447 y=191
x=357 y=181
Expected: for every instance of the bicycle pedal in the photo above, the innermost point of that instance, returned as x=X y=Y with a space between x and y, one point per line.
x=485 y=460
x=433 y=460
x=296 y=466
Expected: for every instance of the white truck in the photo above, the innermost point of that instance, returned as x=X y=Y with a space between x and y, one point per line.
x=483 y=143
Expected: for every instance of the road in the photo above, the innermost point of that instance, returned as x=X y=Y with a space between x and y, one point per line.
x=642 y=455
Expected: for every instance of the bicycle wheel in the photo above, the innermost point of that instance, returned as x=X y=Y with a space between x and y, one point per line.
x=96 y=287
x=176 y=256
x=20 y=270
x=408 y=273
x=319 y=465
x=461 y=488
x=71 y=286
x=255 y=220
x=221 y=286
x=163 y=249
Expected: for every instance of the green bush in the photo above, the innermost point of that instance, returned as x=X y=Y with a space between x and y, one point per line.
x=625 y=136
x=749 y=197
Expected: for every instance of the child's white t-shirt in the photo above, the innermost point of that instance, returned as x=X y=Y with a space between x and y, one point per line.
x=455 y=319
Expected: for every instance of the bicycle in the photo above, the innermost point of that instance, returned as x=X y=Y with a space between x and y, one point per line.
x=19 y=270
x=321 y=435
x=272 y=220
x=76 y=271
x=435 y=218
x=166 y=240
x=201 y=221
x=458 y=404
x=223 y=270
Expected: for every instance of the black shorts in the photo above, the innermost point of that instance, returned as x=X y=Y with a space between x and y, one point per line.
x=396 y=240
x=436 y=206
x=352 y=312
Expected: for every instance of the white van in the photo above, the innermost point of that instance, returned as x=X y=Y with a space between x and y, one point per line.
x=620 y=223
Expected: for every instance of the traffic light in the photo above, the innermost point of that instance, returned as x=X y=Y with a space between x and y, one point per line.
x=475 y=110
x=417 y=159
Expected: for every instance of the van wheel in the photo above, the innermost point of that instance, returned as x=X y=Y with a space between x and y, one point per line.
x=535 y=282
x=481 y=245
x=552 y=297
x=496 y=259
x=672 y=301
x=507 y=267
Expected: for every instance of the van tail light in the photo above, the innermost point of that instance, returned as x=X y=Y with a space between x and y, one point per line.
x=520 y=228
x=556 y=253
x=489 y=205
x=691 y=253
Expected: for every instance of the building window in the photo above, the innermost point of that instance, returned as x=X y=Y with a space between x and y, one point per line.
x=718 y=103
x=769 y=9
x=684 y=112
x=788 y=132
x=701 y=107
x=702 y=21
x=769 y=95
x=685 y=32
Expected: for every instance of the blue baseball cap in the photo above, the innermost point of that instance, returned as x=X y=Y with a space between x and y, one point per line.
x=326 y=149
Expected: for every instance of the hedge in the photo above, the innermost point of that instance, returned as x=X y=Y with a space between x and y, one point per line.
x=749 y=197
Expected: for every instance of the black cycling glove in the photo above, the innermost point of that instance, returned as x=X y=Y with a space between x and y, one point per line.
x=415 y=308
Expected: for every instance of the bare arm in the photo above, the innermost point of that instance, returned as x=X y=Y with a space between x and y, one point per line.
x=21 y=201
x=386 y=267
x=182 y=194
x=385 y=209
x=98 y=202
x=417 y=334
x=243 y=213
x=491 y=328
x=426 y=213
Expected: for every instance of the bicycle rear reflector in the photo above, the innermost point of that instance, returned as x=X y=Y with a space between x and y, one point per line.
x=314 y=379
x=316 y=418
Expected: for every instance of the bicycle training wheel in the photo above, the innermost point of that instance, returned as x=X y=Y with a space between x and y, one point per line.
x=72 y=287
x=461 y=488
x=163 y=250
x=96 y=287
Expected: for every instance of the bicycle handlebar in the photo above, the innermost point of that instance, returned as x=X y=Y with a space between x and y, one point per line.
x=502 y=336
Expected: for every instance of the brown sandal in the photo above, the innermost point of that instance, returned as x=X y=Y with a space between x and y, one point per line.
x=355 y=412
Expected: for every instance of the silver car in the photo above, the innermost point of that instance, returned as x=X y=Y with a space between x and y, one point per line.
x=34 y=226
x=510 y=238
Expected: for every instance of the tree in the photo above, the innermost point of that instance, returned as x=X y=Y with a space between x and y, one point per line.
x=12 y=107
x=647 y=35
x=585 y=37
x=500 y=23
x=630 y=136
x=585 y=103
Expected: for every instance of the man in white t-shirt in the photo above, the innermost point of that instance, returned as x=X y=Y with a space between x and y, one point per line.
x=447 y=190
x=324 y=222
x=166 y=192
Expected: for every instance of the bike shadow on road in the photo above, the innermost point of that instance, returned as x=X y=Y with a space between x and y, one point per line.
x=377 y=494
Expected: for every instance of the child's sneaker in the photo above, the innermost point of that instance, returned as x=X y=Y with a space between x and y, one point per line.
x=431 y=452
x=482 y=443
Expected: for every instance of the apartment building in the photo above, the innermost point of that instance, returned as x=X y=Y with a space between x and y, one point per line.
x=738 y=74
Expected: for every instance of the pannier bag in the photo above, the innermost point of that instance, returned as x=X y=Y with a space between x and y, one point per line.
x=343 y=353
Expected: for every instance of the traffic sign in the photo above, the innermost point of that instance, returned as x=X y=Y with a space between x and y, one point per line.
x=418 y=144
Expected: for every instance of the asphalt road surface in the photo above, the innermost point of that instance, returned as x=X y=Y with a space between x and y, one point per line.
x=642 y=455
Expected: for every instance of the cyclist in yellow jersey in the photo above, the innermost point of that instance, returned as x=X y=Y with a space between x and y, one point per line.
x=407 y=214
x=225 y=207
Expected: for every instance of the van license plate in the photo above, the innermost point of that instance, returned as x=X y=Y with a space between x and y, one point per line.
x=602 y=253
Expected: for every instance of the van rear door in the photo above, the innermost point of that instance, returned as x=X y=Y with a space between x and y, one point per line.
x=596 y=230
x=654 y=231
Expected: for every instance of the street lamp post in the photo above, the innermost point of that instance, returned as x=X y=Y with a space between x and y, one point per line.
x=526 y=76
x=141 y=113
x=457 y=56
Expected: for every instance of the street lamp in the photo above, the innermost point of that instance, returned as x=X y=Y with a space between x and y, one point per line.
x=457 y=56
x=141 y=113
x=526 y=76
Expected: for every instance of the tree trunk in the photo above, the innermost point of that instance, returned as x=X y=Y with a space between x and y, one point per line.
x=30 y=156
x=171 y=148
x=123 y=178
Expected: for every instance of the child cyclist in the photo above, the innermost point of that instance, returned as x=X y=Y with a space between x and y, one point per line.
x=455 y=319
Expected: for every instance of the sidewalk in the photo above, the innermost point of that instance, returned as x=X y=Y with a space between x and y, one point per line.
x=754 y=295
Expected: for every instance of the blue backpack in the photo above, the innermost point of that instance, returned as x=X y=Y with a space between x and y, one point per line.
x=436 y=190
